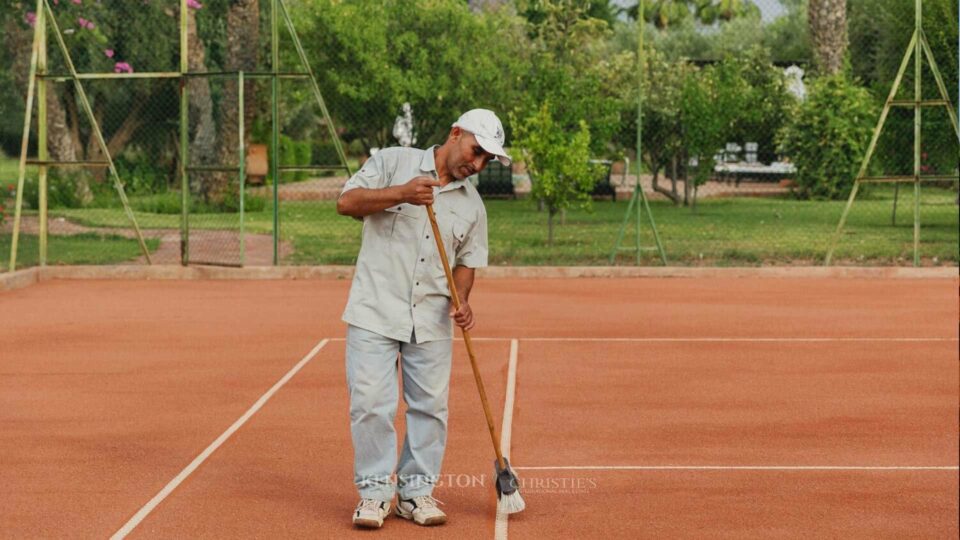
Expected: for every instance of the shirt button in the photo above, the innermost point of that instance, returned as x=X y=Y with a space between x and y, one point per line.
x=428 y=237
x=421 y=260
x=418 y=283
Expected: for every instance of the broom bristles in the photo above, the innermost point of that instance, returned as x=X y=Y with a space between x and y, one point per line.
x=512 y=503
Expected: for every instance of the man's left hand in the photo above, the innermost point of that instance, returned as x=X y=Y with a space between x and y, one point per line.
x=463 y=316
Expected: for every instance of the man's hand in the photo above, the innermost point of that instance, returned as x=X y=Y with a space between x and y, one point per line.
x=463 y=316
x=419 y=190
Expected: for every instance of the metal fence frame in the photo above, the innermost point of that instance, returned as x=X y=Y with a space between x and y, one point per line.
x=39 y=78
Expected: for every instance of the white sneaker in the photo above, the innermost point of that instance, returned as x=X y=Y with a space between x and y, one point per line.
x=370 y=513
x=422 y=510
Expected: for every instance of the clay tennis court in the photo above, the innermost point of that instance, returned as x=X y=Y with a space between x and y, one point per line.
x=704 y=406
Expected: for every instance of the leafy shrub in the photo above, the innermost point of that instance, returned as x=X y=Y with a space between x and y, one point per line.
x=141 y=174
x=293 y=153
x=61 y=191
x=827 y=137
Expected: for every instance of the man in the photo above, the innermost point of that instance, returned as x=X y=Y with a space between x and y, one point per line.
x=400 y=304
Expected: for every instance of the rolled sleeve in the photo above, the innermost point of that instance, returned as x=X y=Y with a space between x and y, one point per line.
x=371 y=176
x=473 y=251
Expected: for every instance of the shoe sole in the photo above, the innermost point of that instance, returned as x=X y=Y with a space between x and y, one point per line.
x=429 y=522
x=367 y=523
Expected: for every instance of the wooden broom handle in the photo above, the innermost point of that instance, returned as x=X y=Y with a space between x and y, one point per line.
x=466 y=335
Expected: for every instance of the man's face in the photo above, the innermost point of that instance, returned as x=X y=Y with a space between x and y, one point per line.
x=467 y=157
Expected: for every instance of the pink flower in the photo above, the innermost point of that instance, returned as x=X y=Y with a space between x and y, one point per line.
x=77 y=1
x=194 y=4
x=122 y=67
x=108 y=53
x=30 y=18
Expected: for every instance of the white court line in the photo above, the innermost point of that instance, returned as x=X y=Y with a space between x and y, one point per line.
x=506 y=431
x=724 y=339
x=172 y=485
x=738 y=468
x=747 y=339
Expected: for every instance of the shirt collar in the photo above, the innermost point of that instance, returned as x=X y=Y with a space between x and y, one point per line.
x=428 y=165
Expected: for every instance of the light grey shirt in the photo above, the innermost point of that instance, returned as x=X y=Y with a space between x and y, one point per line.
x=399 y=285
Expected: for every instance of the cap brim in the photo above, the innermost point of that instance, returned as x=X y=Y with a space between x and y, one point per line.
x=494 y=148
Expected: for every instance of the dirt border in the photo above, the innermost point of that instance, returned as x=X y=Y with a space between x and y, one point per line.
x=30 y=276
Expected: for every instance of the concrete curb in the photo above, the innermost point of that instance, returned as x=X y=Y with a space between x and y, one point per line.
x=27 y=277
x=170 y=272
x=19 y=279
x=711 y=272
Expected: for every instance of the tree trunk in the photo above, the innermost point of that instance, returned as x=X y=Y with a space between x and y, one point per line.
x=828 y=32
x=73 y=121
x=119 y=139
x=673 y=180
x=203 y=149
x=243 y=31
x=19 y=41
x=655 y=183
x=550 y=213
x=686 y=182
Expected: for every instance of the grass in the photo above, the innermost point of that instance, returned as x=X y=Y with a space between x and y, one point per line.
x=727 y=231
x=742 y=231
x=86 y=248
x=730 y=231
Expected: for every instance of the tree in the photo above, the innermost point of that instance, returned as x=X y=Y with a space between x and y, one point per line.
x=100 y=38
x=663 y=13
x=438 y=55
x=558 y=161
x=828 y=32
x=538 y=11
x=880 y=31
x=572 y=66
x=662 y=135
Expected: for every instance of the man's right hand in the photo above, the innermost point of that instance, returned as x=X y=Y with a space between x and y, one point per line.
x=419 y=190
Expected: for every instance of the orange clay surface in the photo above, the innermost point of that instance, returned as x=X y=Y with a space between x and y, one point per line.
x=670 y=408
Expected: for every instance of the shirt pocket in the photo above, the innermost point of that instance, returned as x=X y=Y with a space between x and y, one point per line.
x=401 y=217
x=455 y=234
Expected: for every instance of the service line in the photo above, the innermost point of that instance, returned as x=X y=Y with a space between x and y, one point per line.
x=722 y=339
x=740 y=468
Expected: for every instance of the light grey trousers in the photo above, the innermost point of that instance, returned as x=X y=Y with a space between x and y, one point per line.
x=372 y=381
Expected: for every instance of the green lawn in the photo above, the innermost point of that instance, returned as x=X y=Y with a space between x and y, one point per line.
x=87 y=248
x=726 y=231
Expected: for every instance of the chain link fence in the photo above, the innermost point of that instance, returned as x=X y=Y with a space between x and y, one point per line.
x=748 y=155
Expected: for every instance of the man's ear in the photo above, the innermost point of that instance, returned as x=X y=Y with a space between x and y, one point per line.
x=455 y=134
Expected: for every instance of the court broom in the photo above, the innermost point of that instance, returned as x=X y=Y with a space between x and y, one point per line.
x=508 y=486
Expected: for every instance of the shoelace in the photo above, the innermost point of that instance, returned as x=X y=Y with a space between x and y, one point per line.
x=369 y=504
x=426 y=501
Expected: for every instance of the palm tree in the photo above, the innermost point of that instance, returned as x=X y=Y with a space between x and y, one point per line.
x=663 y=13
x=828 y=32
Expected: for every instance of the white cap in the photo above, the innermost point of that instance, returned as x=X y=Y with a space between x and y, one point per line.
x=488 y=130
